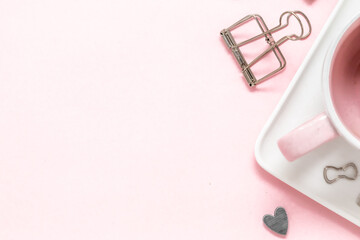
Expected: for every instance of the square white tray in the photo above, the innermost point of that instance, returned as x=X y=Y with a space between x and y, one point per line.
x=302 y=101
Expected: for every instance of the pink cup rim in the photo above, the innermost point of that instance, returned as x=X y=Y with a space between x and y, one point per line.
x=331 y=112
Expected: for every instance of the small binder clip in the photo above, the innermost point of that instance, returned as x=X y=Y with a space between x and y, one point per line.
x=267 y=34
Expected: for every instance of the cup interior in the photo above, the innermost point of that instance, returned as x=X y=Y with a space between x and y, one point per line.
x=344 y=79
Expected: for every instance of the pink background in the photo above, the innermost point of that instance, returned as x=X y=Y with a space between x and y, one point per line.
x=130 y=120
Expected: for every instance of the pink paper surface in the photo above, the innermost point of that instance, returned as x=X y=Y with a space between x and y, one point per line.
x=130 y=120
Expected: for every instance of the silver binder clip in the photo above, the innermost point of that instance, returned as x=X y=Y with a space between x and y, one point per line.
x=342 y=174
x=267 y=35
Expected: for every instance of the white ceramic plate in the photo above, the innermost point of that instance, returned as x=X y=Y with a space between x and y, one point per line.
x=302 y=101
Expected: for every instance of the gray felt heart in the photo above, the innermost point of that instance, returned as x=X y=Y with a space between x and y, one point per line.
x=277 y=223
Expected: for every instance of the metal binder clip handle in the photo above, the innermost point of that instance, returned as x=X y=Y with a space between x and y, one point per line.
x=267 y=34
x=340 y=176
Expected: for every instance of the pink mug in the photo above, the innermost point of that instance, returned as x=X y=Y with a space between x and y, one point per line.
x=341 y=87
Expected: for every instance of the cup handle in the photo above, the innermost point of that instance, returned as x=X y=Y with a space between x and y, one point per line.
x=307 y=137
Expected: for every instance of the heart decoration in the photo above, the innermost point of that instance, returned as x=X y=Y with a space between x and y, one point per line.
x=277 y=223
